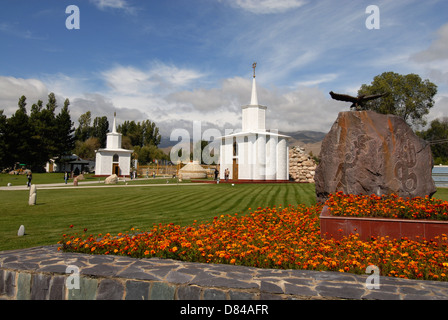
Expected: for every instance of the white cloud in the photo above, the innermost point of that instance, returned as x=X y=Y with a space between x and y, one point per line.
x=438 y=50
x=434 y=59
x=13 y=88
x=268 y=6
x=114 y=4
x=318 y=80
x=100 y=106
x=158 y=78
x=173 y=98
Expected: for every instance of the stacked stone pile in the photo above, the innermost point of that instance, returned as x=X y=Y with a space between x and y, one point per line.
x=301 y=166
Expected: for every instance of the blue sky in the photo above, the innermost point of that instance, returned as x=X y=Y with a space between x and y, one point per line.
x=177 y=61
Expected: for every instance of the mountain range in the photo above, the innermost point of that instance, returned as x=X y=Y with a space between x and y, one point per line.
x=309 y=140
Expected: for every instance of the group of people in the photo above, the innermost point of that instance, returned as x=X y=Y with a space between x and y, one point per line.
x=226 y=174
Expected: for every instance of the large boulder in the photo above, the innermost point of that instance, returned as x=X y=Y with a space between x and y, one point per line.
x=370 y=153
x=113 y=179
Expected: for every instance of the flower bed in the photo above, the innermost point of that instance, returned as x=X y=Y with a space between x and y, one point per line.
x=278 y=237
x=387 y=206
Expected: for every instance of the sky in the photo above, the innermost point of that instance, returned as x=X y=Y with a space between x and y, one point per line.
x=177 y=61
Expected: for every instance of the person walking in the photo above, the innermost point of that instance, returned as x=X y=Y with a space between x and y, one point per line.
x=66 y=177
x=29 y=176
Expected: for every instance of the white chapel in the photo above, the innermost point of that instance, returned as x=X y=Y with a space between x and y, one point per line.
x=113 y=159
x=254 y=153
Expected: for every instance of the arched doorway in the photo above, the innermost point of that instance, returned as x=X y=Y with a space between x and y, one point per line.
x=116 y=165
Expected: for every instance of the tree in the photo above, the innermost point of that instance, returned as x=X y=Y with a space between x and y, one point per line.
x=151 y=135
x=84 y=130
x=65 y=140
x=408 y=96
x=3 y=139
x=18 y=136
x=141 y=134
x=100 y=129
x=86 y=149
x=38 y=147
x=437 y=135
x=45 y=135
x=132 y=130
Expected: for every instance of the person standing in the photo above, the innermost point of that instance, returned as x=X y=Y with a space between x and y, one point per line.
x=216 y=174
x=29 y=176
x=66 y=177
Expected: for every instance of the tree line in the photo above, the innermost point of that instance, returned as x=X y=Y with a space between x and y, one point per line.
x=31 y=139
x=411 y=98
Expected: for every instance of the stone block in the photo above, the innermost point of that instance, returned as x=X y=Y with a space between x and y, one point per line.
x=370 y=153
x=40 y=286
x=57 y=288
x=189 y=293
x=109 y=289
x=7 y=283
x=162 y=291
x=137 y=290
x=24 y=286
x=214 y=294
x=87 y=290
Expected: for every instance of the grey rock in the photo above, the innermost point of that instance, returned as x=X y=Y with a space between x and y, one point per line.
x=113 y=179
x=21 y=231
x=370 y=153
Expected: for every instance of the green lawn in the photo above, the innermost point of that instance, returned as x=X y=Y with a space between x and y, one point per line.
x=48 y=178
x=38 y=178
x=114 y=210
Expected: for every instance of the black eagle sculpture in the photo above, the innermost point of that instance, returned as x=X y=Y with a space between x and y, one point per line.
x=357 y=102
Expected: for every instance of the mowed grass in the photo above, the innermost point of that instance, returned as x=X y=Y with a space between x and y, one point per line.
x=114 y=210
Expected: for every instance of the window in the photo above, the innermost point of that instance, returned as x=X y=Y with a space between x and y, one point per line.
x=116 y=158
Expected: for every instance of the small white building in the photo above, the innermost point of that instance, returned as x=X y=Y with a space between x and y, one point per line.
x=255 y=154
x=113 y=159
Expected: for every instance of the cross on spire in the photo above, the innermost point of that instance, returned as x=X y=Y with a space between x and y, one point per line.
x=254 y=65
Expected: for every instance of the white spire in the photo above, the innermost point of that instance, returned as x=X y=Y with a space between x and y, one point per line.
x=114 y=126
x=254 y=98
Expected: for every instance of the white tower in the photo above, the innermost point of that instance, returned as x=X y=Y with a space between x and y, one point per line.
x=255 y=154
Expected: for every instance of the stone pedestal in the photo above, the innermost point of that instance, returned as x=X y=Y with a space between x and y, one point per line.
x=33 y=195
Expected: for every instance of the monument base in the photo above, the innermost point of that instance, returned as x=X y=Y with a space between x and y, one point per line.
x=337 y=227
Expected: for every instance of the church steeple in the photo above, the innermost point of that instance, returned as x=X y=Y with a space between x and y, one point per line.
x=114 y=138
x=253 y=114
x=114 y=126
x=254 y=98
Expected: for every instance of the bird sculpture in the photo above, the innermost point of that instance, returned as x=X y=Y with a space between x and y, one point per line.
x=358 y=103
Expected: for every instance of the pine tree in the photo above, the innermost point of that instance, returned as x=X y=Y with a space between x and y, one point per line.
x=3 y=139
x=100 y=130
x=64 y=139
x=18 y=136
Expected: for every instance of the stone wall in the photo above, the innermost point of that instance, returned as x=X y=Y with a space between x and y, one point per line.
x=302 y=167
x=44 y=273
